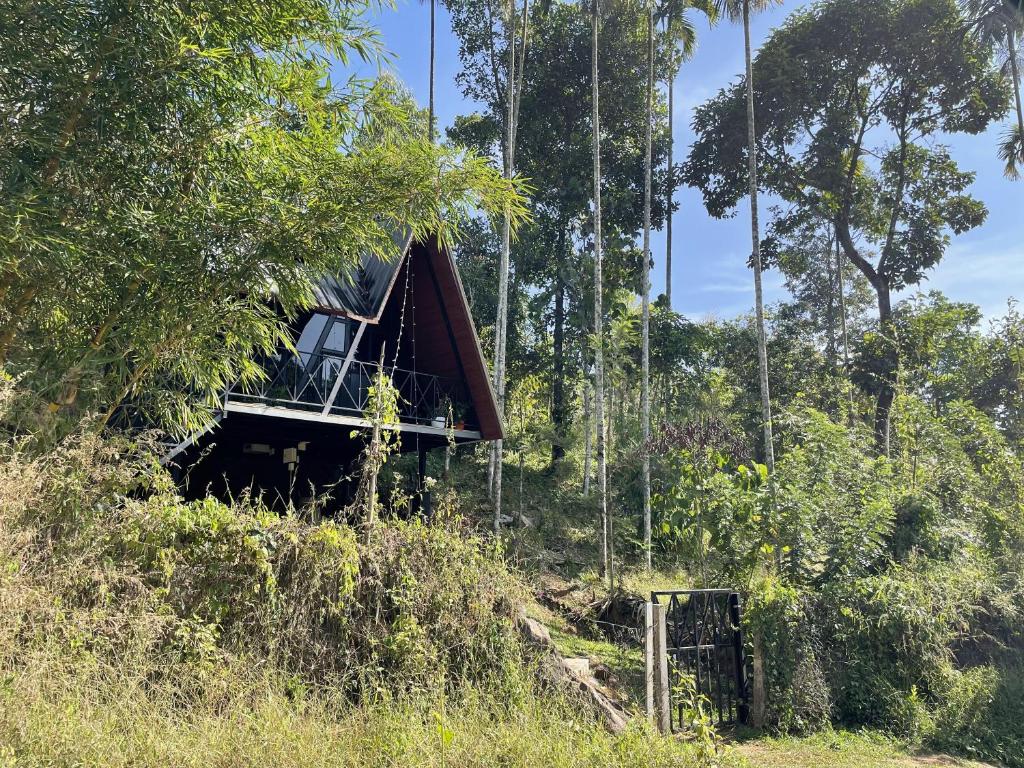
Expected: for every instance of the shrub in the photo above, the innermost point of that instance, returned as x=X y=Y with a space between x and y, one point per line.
x=892 y=639
x=779 y=621
x=979 y=714
x=135 y=571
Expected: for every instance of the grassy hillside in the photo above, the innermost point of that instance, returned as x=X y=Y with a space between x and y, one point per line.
x=138 y=630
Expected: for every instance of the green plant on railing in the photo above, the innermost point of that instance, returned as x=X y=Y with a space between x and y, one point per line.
x=382 y=411
x=695 y=710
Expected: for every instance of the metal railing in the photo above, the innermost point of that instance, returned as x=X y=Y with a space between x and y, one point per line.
x=310 y=382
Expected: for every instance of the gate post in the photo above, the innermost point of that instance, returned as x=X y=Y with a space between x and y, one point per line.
x=649 y=661
x=663 y=712
x=739 y=660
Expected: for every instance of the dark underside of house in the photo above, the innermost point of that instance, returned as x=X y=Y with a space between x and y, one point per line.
x=301 y=432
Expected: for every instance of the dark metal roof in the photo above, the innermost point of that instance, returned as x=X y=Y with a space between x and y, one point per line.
x=363 y=293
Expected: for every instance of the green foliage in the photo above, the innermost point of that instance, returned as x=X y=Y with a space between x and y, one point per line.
x=53 y=710
x=709 y=510
x=203 y=583
x=180 y=176
x=849 y=100
x=696 y=714
x=980 y=716
x=781 y=620
x=835 y=500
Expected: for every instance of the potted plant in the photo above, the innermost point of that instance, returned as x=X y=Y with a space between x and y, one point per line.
x=441 y=416
x=459 y=416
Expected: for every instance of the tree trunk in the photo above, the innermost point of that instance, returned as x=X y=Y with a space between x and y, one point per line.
x=522 y=466
x=558 y=372
x=843 y=330
x=755 y=236
x=371 y=485
x=1012 y=46
x=503 y=268
x=430 y=113
x=890 y=363
x=645 y=334
x=588 y=442
x=607 y=567
x=834 y=288
x=670 y=192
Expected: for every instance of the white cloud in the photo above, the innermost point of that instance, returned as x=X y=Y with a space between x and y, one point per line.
x=984 y=270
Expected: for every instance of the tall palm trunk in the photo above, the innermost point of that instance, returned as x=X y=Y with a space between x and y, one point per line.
x=645 y=388
x=670 y=191
x=430 y=113
x=503 y=267
x=1011 y=42
x=607 y=566
x=588 y=442
x=755 y=236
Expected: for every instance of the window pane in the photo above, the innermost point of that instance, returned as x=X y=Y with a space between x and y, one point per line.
x=337 y=337
x=311 y=334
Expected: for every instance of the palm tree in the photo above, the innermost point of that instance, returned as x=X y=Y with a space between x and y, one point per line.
x=430 y=111
x=734 y=10
x=503 y=267
x=607 y=551
x=681 y=34
x=645 y=335
x=1000 y=23
x=513 y=95
x=682 y=37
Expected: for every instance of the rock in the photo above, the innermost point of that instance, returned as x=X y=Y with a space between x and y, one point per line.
x=577 y=673
x=579 y=666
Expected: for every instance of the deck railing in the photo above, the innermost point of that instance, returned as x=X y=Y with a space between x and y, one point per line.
x=313 y=383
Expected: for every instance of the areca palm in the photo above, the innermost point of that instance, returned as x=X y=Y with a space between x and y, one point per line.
x=607 y=554
x=1000 y=23
x=645 y=390
x=681 y=39
x=513 y=94
x=736 y=10
x=680 y=36
x=430 y=103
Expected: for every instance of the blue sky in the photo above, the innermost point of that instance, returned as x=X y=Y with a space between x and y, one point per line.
x=710 y=277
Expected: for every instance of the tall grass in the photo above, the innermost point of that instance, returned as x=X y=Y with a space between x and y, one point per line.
x=59 y=717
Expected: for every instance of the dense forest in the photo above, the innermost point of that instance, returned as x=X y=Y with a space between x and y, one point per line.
x=176 y=178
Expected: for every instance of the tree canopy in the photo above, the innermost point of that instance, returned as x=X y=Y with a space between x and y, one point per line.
x=173 y=170
x=851 y=98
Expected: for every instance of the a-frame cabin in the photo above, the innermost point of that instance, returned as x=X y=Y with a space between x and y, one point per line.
x=302 y=430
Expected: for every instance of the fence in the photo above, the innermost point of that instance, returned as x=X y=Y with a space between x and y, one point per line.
x=694 y=642
x=329 y=384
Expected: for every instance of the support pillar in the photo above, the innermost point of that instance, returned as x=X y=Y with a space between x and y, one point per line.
x=656 y=636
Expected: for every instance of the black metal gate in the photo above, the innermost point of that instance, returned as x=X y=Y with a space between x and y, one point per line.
x=704 y=642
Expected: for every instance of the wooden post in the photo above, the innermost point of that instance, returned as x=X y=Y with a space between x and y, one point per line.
x=661 y=677
x=649 y=659
x=758 y=700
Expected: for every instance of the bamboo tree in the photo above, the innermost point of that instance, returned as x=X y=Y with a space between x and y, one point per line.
x=113 y=257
